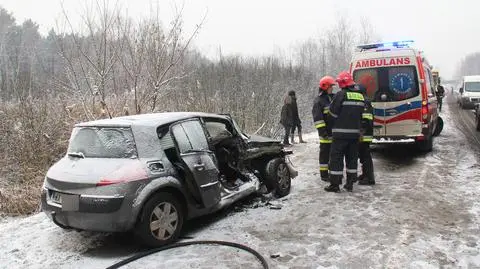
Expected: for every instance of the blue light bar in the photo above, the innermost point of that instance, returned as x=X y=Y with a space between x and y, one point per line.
x=396 y=44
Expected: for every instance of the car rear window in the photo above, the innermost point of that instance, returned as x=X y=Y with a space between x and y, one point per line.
x=398 y=83
x=103 y=142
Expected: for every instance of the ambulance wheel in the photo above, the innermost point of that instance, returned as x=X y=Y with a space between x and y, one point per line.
x=438 y=127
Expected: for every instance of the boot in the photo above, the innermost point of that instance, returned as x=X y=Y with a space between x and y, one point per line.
x=349 y=185
x=293 y=139
x=332 y=188
x=325 y=179
x=300 y=139
x=367 y=180
x=359 y=178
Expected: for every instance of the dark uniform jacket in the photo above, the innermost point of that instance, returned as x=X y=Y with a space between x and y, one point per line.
x=346 y=113
x=320 y=112
x=367 y=122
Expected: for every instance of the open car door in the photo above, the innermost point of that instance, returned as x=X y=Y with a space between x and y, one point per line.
x=194 y=153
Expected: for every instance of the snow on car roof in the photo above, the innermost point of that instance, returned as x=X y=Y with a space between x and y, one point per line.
x=152 y=119
x=471 y=78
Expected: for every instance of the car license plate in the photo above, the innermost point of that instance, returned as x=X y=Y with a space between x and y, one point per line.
x=56 y=197
x=70 y=202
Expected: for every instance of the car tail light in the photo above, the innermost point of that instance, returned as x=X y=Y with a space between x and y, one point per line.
x=106 y=182
x=420 y=137
x=124 y=174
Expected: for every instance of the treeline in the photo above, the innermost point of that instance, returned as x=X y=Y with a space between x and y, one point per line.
x=116 y=66
x=470 y=65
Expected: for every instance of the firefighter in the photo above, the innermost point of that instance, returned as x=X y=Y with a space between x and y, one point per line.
x=367 y=177
x=346 y=112
x=320 y=112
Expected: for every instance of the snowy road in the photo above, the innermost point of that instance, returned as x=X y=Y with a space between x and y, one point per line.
x=423 y=213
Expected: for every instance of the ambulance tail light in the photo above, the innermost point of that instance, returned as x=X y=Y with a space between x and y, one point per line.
x=421 y=137
x=424 y=111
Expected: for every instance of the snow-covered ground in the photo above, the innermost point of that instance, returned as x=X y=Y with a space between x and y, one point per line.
x=424 y=212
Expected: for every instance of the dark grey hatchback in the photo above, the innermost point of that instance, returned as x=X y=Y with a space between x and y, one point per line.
x=149 y=173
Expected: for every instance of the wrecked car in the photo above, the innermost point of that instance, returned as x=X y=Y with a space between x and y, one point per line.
x=149 y=173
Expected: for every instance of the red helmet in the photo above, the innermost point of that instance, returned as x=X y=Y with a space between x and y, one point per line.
x=345 y=80
x=326 y=82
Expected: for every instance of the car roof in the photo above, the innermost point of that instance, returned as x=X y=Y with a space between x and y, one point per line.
x=471 y=78
x=152 y=119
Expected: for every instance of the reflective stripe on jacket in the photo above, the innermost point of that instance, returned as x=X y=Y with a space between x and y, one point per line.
x=320 y=112
x=346 y=112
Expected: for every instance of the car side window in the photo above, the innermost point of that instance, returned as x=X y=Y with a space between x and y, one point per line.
x=217 y=130
x=181 y=137
x=196 y=134
x=190 y=136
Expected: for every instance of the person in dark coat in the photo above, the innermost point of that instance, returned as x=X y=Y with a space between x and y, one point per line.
x=286 y=118
x=346 y=112
x=440 y=94
x=297 y=123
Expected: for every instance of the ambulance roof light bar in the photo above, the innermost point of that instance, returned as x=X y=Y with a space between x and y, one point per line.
x=396 y=44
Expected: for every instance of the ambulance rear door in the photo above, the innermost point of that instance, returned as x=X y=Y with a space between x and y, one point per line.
x=369 y=79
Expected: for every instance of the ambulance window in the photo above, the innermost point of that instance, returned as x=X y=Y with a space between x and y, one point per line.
x=397 y=83
x=429 y=80
x=369 y=79
x=403 y=83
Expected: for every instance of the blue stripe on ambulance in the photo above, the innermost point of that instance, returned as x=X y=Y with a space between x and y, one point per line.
x=399 y=109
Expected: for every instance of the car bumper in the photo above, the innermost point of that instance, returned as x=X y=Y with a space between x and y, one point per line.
x=89 y=212
x=469 y=102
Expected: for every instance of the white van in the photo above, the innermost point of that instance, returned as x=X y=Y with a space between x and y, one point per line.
x=469 y=92
x=399 y=84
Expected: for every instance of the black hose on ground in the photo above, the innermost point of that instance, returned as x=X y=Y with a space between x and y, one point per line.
x=184 y=244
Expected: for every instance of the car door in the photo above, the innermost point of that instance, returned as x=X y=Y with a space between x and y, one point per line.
x=194 y=153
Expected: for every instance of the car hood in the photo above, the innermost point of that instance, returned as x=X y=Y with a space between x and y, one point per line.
x=259 y=146
x=262 y=140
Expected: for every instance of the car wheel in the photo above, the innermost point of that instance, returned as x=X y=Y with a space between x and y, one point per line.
x=277 y=177
x=478 y=122
x=161 y=220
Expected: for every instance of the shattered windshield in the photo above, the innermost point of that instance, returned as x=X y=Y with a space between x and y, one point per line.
x=102 y=142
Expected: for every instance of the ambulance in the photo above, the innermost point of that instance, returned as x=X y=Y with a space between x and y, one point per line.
x=399 y=83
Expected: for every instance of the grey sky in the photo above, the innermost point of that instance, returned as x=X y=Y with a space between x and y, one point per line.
x=445 y=30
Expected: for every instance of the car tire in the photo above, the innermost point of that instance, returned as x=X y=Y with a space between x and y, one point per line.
x=277 y=177
x=478 y=122
x=168 y=214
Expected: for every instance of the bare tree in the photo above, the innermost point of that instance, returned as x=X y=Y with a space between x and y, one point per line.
x=165 y=50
